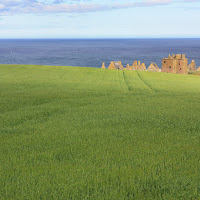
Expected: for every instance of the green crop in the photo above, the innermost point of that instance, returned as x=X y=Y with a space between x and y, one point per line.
x=86 y=133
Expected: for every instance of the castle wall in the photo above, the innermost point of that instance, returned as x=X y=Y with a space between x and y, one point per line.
x=103 y=66
x=153 y=67
x=175 y=64
x=186 y=66
x=168 y=66
x=192 y=66
x=111 y=66
x=182 y=67
x=115 y=65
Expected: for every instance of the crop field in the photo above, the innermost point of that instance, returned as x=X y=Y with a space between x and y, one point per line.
x=86 y=133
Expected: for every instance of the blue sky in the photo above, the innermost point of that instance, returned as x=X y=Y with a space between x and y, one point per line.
x=99 y=19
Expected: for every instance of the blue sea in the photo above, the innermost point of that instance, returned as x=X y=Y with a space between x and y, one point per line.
x=92 y=52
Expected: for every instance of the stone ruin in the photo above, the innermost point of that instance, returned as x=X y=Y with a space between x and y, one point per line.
x=103 y=66
x=136 y=66
x=173 y=64
x=177 y=64
x=192 y=66
x=154 y=68
x=116 y=65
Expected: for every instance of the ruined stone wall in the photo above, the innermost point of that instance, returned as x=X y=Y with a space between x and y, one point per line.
x=168 y=66
x=111 y=66
x=115 y=65
x=153 y=67
x=185 y=66
x=137 y=66
x=192 y=66
x=103 y=66
x=143 y=66
x=175 y=64
x=133 y=66
x=180 y=67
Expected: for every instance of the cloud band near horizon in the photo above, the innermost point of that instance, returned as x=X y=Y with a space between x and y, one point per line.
x=10 y=7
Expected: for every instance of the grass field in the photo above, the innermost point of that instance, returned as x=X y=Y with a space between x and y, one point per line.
x=86 y=133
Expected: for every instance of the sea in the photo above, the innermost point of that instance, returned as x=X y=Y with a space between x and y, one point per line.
x=93 y=52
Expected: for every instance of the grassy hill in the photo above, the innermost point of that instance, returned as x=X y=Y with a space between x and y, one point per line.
x=85 y=133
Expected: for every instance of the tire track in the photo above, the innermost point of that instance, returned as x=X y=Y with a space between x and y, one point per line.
x=119 y=79
x=146 y=83
x=122 y=80
x=125 y=80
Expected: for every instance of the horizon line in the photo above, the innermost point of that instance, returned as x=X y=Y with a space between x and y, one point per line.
x=92 y=38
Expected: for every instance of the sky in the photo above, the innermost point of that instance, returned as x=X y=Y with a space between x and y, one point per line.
x=99 y=19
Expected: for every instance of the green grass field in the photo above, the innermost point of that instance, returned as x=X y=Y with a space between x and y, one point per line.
x=86 y=133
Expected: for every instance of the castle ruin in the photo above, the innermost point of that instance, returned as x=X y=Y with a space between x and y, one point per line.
x=192 y=66
x=103 y=66
x=175 y=64
x=116 y=65
x=136 y=66
x=154 y=68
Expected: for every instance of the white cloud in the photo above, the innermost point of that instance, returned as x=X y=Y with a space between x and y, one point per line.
x=9 y=7
x=2 y=6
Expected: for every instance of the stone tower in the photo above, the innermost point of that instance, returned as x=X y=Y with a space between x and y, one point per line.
x=175 y=64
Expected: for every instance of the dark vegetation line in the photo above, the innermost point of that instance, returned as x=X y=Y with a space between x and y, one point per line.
x=119 y=79
x=145 y=82
x=125 y=80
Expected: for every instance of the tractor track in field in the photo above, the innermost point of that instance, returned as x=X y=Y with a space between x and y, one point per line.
x=119 y=79
x=145 y=82
x=122 y=80
x=125 y=80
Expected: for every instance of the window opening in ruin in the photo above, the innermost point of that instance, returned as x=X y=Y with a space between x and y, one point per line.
x=180 y=69
x=170 y=67
x=164 y=61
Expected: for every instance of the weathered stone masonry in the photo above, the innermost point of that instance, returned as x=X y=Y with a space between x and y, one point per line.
x=173 y=64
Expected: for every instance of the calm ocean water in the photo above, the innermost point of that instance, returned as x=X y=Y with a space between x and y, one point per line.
x=92 y=52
